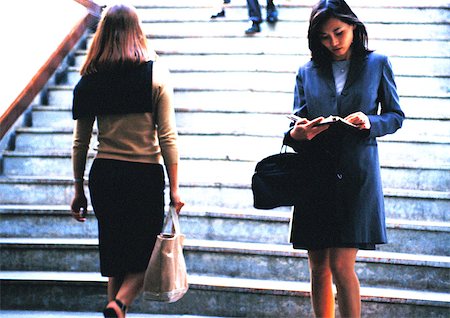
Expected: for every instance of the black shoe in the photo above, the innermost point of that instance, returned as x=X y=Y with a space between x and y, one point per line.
x=272 y=15
x=220 y=14
x=226 y=1
x=253 y=29
x=109 y=312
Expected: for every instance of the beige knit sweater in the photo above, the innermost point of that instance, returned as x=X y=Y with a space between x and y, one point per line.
x=142 y=137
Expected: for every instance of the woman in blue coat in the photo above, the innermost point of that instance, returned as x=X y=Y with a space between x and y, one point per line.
x=343 y=209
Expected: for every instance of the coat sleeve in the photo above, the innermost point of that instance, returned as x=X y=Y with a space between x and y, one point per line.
x=300 y=110
x=391 y=116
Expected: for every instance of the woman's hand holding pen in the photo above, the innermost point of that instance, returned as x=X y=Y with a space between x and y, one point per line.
x=305 y=129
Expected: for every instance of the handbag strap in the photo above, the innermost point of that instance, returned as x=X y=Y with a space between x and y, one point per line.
x=172 y=215
x=283 y=147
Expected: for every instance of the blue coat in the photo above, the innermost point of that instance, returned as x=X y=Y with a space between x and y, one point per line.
x=345 y=204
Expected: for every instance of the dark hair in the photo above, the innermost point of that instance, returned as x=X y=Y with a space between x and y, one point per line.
x=339 y=9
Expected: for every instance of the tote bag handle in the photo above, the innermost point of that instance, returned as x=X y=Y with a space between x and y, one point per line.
x=171 y=220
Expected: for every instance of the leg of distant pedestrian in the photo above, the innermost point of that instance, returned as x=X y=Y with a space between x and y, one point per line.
x=220 y=12
x=272 y=12
x=254 y=14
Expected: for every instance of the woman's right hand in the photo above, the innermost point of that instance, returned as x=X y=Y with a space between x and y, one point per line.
x=305 y=129
x=79 y=207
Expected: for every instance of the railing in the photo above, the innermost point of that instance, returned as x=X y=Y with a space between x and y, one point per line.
x=37 y=83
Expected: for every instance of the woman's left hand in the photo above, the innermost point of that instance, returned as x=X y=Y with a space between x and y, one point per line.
x=359 y=119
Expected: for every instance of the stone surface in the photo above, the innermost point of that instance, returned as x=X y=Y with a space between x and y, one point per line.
x=231 y=95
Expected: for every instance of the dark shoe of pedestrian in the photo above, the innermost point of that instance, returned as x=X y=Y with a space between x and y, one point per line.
x=253 y=29
x=220 y=14
x=226 y=1
x=272 y=15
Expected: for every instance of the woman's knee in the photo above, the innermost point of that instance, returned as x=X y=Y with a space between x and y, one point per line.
x=342 y=264
x=319 y=264
x=321 y=272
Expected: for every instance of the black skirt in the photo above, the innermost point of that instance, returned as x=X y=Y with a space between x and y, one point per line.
x=128 y=201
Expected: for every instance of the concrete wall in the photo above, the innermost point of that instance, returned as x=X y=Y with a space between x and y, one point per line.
x=31 y=30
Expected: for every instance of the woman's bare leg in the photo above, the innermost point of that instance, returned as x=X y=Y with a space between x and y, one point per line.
x=322 y=296
x=129 y=289
x=342 y=261
x=114 y=284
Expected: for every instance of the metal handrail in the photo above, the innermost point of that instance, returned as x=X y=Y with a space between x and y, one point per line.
x=37 y=83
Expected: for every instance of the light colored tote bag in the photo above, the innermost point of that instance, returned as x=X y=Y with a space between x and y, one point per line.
x=166 y=276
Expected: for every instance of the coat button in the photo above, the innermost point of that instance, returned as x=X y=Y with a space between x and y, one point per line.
x=339 y=175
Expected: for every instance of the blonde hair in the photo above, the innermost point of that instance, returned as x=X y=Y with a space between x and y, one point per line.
x=118 y=40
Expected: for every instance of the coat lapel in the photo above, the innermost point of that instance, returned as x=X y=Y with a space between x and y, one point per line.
x=356 y=66
x=329 y=78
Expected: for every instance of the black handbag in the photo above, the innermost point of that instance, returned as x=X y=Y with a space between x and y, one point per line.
x=279 y=180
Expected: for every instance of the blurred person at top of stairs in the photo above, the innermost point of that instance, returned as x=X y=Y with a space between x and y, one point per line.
x=254 y=14
x=129 y=96
x=221 y=13
x=333 y=224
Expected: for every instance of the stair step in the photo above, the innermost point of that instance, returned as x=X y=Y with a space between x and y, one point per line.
x=234 y=123
x=262 y=102
x=400 y=203
x=289 y=46
x=234 y=259
x=209 y=296
x=435 y=178
x=385 y=4
x=287 y=29
x=436 y=67
x=52 y=120
x=213 y=223
x=282 y=82
x=292 y=11
x=441 y=139
x=245 y=147
x=271 y=63
x=67 y=314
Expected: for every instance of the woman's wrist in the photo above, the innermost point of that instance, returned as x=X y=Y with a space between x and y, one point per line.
x=293 y=136
x=79 y=185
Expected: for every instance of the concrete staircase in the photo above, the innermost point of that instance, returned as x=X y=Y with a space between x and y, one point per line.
x=232 y=92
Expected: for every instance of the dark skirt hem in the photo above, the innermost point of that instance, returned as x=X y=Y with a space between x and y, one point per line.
x=361 y=246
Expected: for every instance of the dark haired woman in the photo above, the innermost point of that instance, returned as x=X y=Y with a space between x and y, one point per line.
x=343 y=209
x=129 y=96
